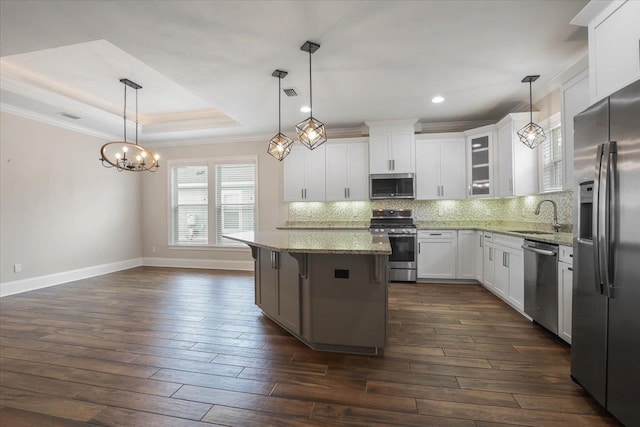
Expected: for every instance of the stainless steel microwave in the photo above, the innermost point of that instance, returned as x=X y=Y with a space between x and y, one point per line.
x=392 y=186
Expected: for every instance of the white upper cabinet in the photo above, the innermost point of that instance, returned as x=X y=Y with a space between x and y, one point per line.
x=392 y=146
x=575 y=99
x=614 y=57
x=517 y=169
x=480 y=161
x=440 y=166
x=347 y=169
x=304 y=174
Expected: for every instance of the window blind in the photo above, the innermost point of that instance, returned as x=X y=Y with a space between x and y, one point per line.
x=552 y=160
x=235 y=200
x=190 y=205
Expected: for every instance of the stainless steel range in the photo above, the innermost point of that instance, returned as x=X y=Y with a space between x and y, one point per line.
x=399 y=227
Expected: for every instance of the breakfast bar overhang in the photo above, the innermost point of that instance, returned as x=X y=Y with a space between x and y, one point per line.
x=326 y=288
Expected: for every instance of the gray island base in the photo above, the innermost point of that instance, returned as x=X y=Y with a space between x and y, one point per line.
x=326 y=288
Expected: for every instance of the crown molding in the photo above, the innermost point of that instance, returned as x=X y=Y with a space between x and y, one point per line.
x=61 y=123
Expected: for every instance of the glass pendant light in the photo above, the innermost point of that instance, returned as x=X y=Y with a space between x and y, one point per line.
x=280 y=145
x=531 y=135
x=311 y=132
x=127 y=156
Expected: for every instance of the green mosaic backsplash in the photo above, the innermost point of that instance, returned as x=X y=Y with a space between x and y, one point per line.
x=513 y=209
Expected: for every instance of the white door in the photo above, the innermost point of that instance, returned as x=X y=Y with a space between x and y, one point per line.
x=565 y=298
x=314 y=174
x=505 y=161
x=437 y=259
x=357 y=170
x=501 y=271
x=379 y=152
x=294 y=174
x=466 y=254
x=428 y=170
x=515 y=262
x=452 y=169
x=402 y=152
x=337 y=178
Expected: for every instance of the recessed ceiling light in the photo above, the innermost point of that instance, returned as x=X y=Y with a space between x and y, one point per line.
x=437 y=99
x=305 y=109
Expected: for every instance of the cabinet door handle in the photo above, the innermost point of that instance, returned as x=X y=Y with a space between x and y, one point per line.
x=390 y=168
x=480 y=240
x=469 y=189
x=349 y=192
x=345 y=192
x=419 y=246
x=490 y=254
x=570 y=268
x=393 y=165
x=302 y=193
x=435 y=234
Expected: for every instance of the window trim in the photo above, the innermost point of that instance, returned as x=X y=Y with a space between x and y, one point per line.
x=211 y=162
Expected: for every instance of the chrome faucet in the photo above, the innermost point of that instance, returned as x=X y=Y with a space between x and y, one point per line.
x=555 y=225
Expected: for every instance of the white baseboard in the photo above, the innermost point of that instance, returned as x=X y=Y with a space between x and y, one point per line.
x=24 y=285
x=215 y=264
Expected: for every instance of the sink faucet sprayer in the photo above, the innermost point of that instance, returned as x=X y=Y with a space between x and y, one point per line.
x=555 y=225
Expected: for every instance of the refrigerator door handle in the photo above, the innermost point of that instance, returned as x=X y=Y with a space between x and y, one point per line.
x=609 y=203
x=597 y=186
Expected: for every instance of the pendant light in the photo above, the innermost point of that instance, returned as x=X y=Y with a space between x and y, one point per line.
x=127 y=156
x=311 y=132
x=531 y=135
x=280 y=145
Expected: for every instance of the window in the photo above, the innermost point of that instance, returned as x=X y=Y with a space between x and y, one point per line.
x=231 y=186
x=552 y=160
x=235 y=200
x=189 y=205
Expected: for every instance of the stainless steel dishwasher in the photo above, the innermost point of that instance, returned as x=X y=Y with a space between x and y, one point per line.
x=541 y=283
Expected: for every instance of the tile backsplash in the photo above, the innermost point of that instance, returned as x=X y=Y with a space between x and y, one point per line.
x=514 y=209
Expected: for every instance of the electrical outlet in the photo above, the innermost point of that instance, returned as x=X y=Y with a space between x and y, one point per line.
x=17 y=268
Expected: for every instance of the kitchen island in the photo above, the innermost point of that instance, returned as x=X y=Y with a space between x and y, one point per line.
x=326 y=288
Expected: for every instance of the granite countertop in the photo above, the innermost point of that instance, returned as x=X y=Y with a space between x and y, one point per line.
x=565 y=239
x=326 y=225
x=360 y=242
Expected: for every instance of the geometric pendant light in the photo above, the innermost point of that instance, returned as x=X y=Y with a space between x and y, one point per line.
x=311 y=132
x=531 y=134
x=280 y=145
x=126 y=156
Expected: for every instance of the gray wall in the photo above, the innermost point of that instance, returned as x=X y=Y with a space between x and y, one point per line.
x=271 y=210
x=60 y=210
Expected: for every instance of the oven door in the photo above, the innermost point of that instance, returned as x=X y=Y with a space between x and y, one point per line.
x=402 y=261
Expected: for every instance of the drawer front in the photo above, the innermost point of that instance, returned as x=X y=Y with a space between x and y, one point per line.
x=511 y=241
x=566 y=254
x=437 y=234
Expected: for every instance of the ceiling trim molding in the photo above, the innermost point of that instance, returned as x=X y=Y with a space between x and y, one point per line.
x=459 y=126
x=61 y=123
x=336 y=133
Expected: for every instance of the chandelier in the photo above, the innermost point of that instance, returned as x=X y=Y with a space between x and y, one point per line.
x=127 y=156
x=531 y=134
x=280 y=144
x=311 y=132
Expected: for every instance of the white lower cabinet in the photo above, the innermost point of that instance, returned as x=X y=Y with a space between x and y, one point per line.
x=488 y=261
x=503 y=263
x=565 y=293
x=437 y=254
x=479 y=255
x=467 y=248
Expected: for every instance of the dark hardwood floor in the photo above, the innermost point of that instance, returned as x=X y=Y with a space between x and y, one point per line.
x=177 y=347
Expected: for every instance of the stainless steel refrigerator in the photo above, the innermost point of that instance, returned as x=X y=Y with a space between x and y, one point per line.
x=605 y=350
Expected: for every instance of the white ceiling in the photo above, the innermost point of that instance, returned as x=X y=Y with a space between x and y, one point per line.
x=205 y=66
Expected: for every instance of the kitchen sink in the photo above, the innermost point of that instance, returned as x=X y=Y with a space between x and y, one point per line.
x=531 y=232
